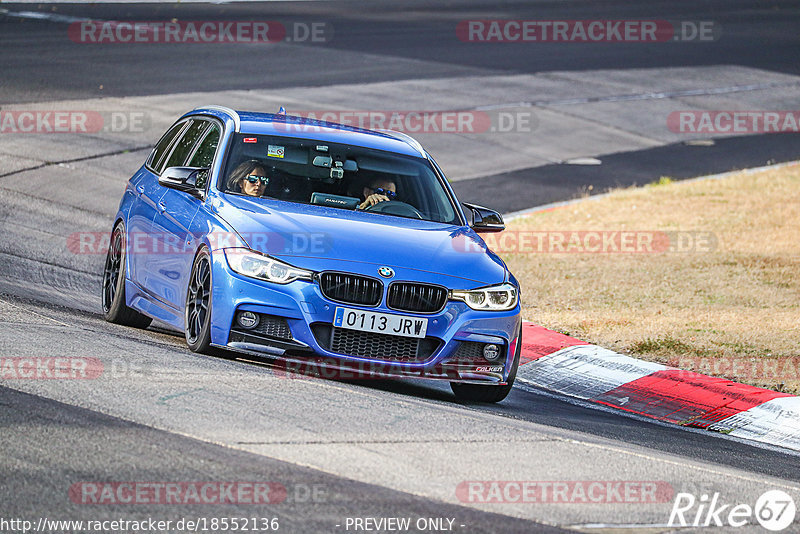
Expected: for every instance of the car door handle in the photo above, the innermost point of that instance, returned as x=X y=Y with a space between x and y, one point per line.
x=162 y=207
x=140 y=189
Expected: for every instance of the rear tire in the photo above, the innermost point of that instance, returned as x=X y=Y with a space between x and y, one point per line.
x=115 y=310
x=197 y=317
x=481 y=393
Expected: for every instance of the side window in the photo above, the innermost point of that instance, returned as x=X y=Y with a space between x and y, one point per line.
x=204 y=155
x=160 y=152
x=185 y=144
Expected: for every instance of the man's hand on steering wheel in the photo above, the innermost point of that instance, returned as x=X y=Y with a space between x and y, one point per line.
x=373 y=199
x=395 y=207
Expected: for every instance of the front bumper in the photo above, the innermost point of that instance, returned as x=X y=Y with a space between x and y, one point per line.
x=298 y=329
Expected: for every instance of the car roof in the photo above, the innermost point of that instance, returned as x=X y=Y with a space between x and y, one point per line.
x=259 y=123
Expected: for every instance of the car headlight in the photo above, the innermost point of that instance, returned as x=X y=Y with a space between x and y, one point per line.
x=496 y=298
x=248 y=263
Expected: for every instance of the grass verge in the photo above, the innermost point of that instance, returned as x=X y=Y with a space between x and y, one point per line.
x=702 y=275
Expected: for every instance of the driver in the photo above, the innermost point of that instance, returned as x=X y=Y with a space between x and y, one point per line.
x=249 y=178
x=376 y=191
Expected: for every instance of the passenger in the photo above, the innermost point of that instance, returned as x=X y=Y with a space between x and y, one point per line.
x=376 y=191
x=249 y=178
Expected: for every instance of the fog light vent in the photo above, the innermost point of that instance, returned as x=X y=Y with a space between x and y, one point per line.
x=247 y=319
x=491 y=352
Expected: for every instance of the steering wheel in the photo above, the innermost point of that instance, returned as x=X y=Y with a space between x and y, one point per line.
x=395 y=207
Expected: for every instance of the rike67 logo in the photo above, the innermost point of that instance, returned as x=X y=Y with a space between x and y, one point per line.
x=774 y=510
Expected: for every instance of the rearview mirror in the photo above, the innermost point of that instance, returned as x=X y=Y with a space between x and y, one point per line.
x=484 y=219
x=326 y=161
x=183 y=179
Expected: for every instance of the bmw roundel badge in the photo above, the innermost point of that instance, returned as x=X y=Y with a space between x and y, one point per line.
x=386 y=272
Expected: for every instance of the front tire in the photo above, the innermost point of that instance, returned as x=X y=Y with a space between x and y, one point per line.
x=113 y=286
x=197 y=317
x=481 y=393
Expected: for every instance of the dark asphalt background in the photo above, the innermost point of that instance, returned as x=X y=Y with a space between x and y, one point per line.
x=82 y=446
x=758 y=34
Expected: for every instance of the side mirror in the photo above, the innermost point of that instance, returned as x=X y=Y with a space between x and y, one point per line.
x=484 y=219
x=184 y=179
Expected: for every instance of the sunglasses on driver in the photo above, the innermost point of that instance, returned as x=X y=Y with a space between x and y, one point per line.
x=253 y=178
x=388 y=193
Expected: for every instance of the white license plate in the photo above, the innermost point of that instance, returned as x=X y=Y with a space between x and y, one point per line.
x=380 y=323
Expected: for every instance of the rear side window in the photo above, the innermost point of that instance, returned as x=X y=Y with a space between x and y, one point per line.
x=185 y=144
x=161 y=150
x=204 y=155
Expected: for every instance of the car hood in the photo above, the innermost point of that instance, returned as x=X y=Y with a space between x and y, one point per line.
x=321 y=238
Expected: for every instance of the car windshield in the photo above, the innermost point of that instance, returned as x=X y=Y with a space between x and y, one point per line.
x=336 y=175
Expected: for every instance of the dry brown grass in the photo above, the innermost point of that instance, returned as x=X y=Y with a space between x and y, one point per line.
x=726 y=311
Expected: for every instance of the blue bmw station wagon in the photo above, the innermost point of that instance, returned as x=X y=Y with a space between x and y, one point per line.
x=314 y=243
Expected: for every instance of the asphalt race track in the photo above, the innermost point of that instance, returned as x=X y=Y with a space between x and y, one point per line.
x=596 y=116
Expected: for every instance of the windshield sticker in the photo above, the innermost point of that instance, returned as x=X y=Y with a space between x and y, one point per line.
x=250 y=140
x=275 y=151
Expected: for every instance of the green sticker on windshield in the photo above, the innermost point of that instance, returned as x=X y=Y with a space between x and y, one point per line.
x=275 y=151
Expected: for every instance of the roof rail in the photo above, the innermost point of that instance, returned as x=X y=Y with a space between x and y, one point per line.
x=235 y=116
x=406 y=138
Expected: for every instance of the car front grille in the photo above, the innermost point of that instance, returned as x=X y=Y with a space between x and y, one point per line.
x=351 y=288
x=411 y=297
x=374 y=346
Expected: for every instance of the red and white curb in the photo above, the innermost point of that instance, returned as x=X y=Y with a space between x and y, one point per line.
x=575 y=368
